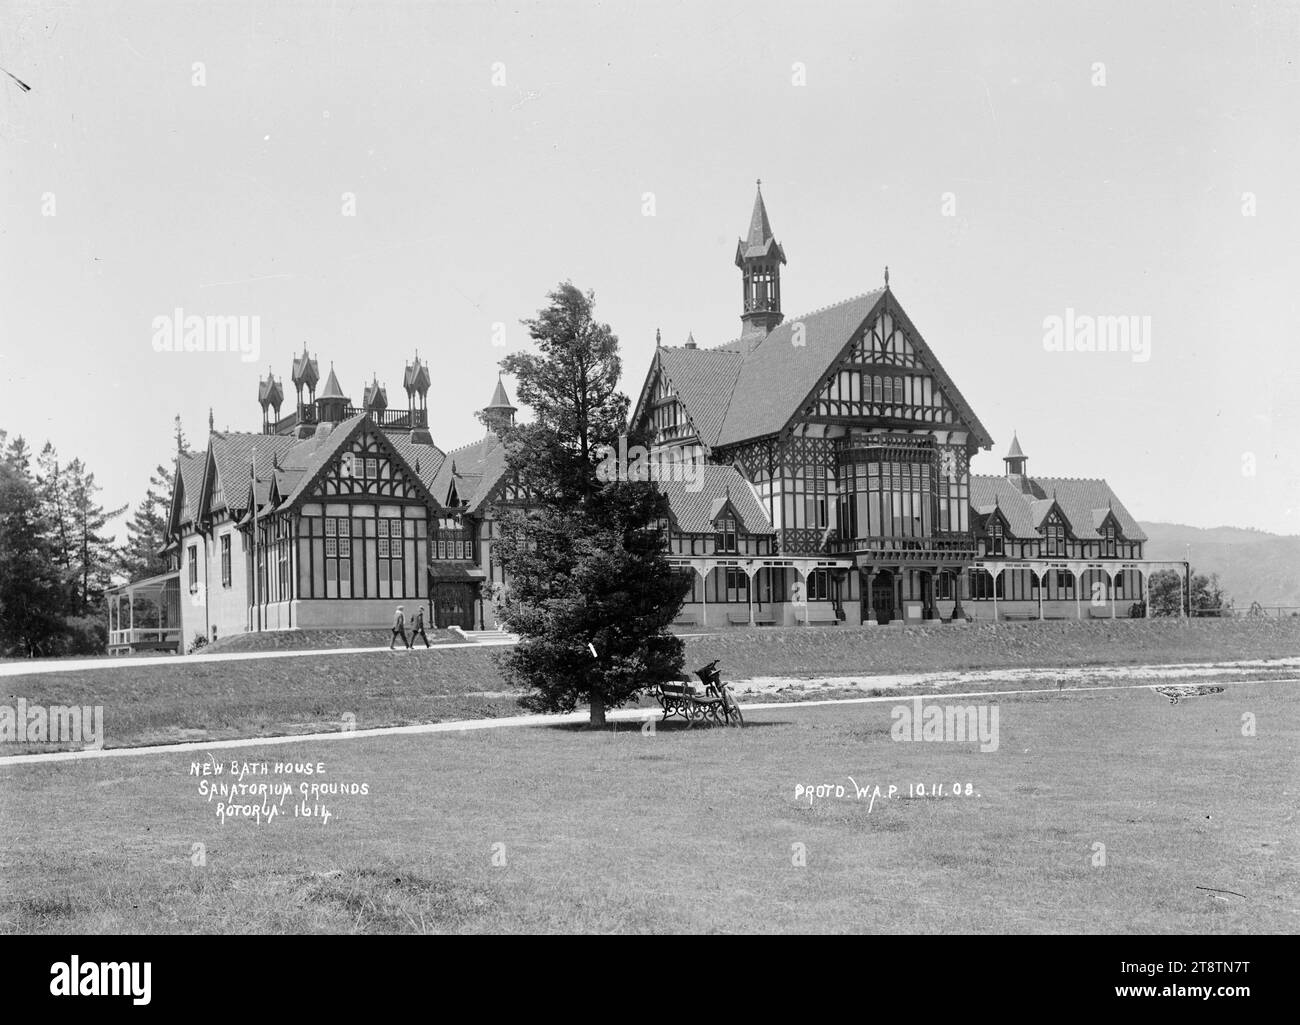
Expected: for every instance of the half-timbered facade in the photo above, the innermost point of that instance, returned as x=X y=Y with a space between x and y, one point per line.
x=331 y=516
x=856 y=447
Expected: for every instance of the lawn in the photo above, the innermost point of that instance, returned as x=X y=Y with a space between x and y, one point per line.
x=565 y=829
x=159 y=704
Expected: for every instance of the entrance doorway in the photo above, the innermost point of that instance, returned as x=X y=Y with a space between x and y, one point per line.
x=453 y=605
x=882 y=596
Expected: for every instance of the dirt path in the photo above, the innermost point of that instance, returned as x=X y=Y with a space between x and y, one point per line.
x=636 y=715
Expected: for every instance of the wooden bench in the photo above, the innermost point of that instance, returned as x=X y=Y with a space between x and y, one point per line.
x=1021 y=617
x=682 y=698
x=686 y=619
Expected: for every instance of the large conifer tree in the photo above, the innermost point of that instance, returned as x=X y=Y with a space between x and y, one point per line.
x=590 y=594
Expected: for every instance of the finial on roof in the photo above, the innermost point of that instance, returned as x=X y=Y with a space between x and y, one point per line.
x=658 y=339
x=886 y=276
x=758 y=182
x=211 y=420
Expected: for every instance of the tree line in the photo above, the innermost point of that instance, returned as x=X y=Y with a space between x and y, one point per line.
x=58 y=556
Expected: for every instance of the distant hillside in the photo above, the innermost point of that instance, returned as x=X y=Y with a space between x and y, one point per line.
x=1253 y=565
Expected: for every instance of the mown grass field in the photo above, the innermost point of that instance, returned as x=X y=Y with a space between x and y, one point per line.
x=564 y=829
x=159 y=704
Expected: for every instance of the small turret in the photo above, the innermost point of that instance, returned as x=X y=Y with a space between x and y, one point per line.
x=332 y=403
x=759 y=257
x=1015 y=459
x=499 y=414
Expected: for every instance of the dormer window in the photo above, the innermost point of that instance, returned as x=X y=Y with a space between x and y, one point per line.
x=997 y=544
x=725 y=538
x=1108 y=541
x=1055 y=537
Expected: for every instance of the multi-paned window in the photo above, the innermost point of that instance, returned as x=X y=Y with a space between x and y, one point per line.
x=819 y=585
x=225 y=560
x=375 y=552
x=997 y=545
x=724 y=540
x=1054 y=535
x=194 y=568
x=983 y=586
x=1108 y=541
x=452 y=539
x=737 y=585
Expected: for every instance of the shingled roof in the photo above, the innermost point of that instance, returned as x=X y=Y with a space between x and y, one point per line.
x=696 y=502
x=733 y=393
x=477 y=468
x=1025 y=502
x=704 y=380
x=191 y=485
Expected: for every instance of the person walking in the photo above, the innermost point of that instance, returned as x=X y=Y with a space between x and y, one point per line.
x=399 y=627
x=417 y=628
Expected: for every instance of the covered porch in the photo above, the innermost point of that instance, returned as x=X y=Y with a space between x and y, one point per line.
x=145 y=615
x=1094 y=588
x=767 y=591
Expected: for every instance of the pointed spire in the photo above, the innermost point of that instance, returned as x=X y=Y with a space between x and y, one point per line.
x=499 y=398
x=690 y=340
x=760 y=229
x=332 y=389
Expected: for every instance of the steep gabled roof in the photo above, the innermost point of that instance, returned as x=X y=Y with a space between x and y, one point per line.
x=476 y=469
x=186 y=490
x=695 y=503
x=231 y=455
x=429 y=457
x=777 y=376
x=733 y=393
x=703 y=380
x=1085 y=503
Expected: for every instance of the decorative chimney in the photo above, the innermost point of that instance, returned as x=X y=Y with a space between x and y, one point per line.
x=269 y=396
x=415 y=382
x=374 y=396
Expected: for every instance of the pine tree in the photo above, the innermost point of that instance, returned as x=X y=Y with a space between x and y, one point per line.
x=146 y=533
x=31 y=596
x=56 y=514
x=591 y=593
x=93 y=553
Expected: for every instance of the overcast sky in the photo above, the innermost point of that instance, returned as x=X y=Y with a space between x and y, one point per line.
x=1007 y=161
